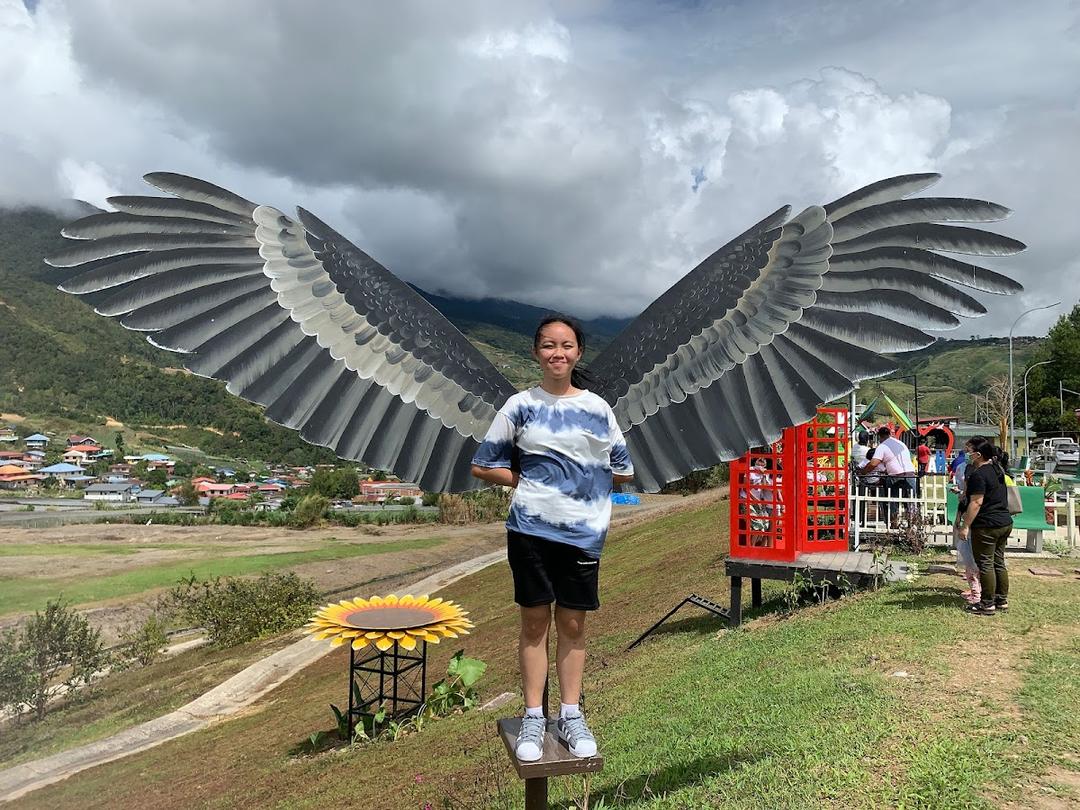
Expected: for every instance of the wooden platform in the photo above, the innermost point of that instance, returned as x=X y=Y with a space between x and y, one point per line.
x=857 y=563
x=557 y=759
x=857 y=567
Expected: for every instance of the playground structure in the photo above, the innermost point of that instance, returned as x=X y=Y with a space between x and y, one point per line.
x=789 y=514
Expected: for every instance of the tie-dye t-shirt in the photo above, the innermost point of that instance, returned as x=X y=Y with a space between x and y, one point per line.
x=568 y=449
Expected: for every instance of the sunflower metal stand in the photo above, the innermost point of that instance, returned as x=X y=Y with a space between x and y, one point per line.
x=393 y=679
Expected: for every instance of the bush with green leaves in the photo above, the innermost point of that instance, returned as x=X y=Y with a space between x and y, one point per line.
x=53 y=648
x=430 y=499
x=143 y=643
x=237 y=610
x=406 y=500
x=16 y=677
x=309 y=511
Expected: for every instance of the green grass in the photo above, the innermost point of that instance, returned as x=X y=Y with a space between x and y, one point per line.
x=804 y=711
x=20 y=594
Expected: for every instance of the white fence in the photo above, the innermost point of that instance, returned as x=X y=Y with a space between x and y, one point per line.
x=872 y=510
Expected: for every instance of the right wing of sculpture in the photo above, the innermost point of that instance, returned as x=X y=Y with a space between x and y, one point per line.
x=293 y=317
x=792 y=314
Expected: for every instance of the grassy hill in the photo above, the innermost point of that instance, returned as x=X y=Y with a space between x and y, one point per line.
x=950 y=374
x=893 y=698
x=66 y=369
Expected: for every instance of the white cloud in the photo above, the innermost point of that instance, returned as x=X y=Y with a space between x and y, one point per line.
x=581 y=162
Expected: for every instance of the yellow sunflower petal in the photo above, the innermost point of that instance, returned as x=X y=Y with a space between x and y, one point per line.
x=360 y=643
x=407 y=600
x=384 y=643
x=373 y=634
x=391 y=600
x=422 y=600
x=337 y=641
x=377 y=601
x=407 y=643
x=396 y=635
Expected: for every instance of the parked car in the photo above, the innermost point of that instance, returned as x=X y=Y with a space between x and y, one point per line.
x=1048 y=448
x=1067 y=453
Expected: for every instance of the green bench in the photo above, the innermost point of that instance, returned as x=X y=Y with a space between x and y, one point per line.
x=1032 y=519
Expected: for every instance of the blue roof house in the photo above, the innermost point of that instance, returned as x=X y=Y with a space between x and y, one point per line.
x=37 y=442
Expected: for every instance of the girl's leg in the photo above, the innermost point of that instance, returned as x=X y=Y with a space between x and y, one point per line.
x=570 y=652
x=533 y=653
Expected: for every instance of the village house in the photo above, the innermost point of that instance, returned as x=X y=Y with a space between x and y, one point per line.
x=379 y=491
x=66 y=473
x=84 y=453
x=110 y=493
x=212 y=489
x=149 y=496
x=74 y=440
x=8 y=434
x=13 y=476
x=38 y=441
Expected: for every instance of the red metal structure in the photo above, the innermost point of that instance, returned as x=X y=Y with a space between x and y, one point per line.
x=791 y=497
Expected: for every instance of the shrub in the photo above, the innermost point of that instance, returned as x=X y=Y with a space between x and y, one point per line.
x=16 y=679
x=309 y=510
x=143 y=643
x=406 y=500
x=430 y=499
x=481 y=506
x=237 y=610
x=51 y=647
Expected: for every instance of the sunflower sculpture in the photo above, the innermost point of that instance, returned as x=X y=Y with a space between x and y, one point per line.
x=384 y=621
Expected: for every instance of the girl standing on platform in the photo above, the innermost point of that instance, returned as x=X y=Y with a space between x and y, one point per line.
x=560 y=448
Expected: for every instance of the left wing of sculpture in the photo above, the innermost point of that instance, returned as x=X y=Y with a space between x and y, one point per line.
x=790 y=315
x=294 y=317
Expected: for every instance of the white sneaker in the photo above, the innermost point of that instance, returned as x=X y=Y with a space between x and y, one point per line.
x=529 y=746
x=575 y=735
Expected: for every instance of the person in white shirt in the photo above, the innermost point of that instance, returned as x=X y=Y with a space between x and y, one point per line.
x=900 y=473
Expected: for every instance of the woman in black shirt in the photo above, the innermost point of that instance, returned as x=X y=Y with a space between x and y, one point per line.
x=987 y=519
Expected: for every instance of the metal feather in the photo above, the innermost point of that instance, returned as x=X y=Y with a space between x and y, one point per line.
x=199 y=191
x=925 y=261
x=920 y=209
x=930 y=236
x=892 y=188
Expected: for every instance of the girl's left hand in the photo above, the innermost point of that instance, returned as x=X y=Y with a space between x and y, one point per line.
x=962 y=533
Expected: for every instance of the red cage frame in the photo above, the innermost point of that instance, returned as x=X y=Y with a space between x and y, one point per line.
x=791 y=497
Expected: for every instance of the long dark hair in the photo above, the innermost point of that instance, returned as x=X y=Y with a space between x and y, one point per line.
x=579 y=376
x=988 y=451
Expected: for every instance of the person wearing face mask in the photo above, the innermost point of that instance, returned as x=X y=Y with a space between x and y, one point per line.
x=988 y=523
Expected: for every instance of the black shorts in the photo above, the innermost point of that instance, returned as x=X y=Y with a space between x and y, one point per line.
x=546 y=571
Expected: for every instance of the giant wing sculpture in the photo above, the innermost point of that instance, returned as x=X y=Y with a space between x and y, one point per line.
x=292 y=316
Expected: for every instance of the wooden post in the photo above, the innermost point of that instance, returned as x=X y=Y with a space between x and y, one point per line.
x=736 y=601
x=755 y=591
x=536 y=793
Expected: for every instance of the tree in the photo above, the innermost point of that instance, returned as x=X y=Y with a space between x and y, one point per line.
x=118 y=443
x=336 y=484
x=16 y=678
x=157 y=478
x=59 y=642
x=1062 y=349
x=187 y=495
